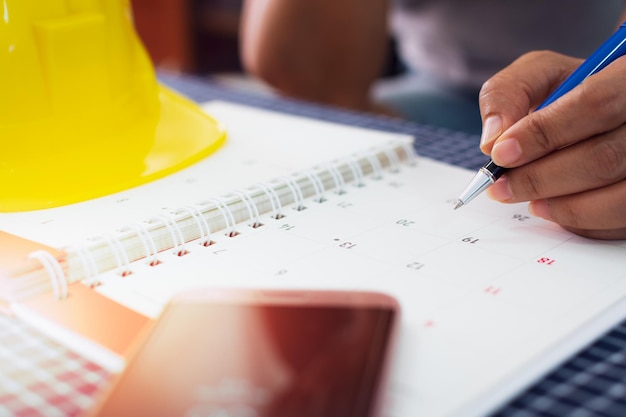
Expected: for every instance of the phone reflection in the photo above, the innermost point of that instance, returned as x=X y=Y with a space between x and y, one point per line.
x=334 y=358
x=228 y=360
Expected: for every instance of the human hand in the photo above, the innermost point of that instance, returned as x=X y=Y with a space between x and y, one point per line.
x=569 y=157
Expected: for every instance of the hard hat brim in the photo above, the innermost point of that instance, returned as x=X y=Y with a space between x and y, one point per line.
x=181 y=135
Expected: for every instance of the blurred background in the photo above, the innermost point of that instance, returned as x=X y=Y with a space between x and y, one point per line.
x=196 y=37
x=200 y=37
x=190 y=36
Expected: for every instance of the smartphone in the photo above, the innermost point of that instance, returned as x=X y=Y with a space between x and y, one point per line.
x=258 y=353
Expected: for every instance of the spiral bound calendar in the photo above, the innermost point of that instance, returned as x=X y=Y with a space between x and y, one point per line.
x=491 y=297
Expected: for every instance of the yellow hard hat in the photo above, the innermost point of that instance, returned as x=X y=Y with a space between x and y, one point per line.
x=81 y=112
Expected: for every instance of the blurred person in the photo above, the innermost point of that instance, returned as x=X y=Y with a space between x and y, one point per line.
x=335 y=51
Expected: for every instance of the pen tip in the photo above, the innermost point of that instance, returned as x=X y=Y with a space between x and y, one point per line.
x=458 y=204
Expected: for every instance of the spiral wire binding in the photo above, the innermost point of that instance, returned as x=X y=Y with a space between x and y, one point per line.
x=178 y=240
x=340 y=184
x=394 y=162
x=320 y=190
x=354 y=164
x=277 y=208
x=88 y=263
x=229 y=219
x=357 y=172
x=201 y=223
x=296 y=191
x=121 y=256
x=375 y=164
x=411 y=154
x=253 y=211
x=152 y=255
x=54 y=270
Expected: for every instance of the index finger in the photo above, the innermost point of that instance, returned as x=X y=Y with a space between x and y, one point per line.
x=594 y=107
x=510 y=95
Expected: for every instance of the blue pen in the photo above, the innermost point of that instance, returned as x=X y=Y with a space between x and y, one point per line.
x=613 y=48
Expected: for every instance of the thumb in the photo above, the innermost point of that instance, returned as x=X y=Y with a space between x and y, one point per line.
x=512 y=93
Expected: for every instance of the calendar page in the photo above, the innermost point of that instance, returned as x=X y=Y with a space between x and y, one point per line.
x=485 y=291
x=488 y=292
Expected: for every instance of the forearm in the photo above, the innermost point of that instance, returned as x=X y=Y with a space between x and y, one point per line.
x=323 y=50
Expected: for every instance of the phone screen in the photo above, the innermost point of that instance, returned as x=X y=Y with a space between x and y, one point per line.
x=220 y=359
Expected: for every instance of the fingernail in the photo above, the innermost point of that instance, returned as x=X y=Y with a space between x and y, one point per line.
x=506 y=152
x=491 y=130
x=500 y=190
x=540 y=208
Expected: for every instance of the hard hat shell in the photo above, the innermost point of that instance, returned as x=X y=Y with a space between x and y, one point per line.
x=81 y=112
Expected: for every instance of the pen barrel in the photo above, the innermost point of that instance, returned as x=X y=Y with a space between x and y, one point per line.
x=609 y=51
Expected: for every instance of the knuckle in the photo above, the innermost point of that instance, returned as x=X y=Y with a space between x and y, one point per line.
x=537 y=56
x=542 y=133
x=568 y=215
x=492 y=88
x=532 y=57
x=603 y=102
x=487 y=91
x=533 y=184
x=609 y=160
x=489 y=85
